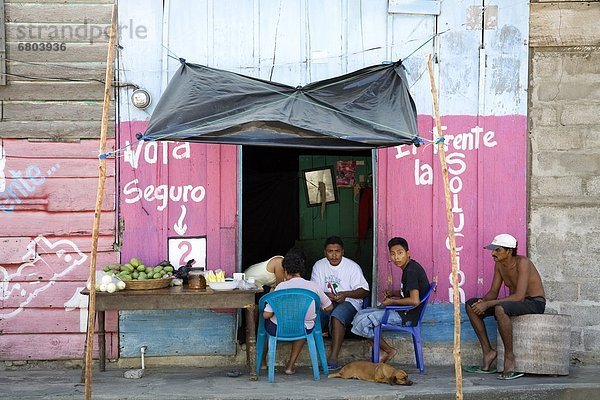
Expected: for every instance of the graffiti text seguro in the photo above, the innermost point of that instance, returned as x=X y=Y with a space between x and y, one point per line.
x=163 y=193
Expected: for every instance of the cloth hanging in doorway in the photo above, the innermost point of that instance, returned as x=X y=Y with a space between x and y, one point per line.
x=365 y=212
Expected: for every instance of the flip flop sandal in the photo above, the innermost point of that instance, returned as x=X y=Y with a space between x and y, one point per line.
x=476 y=369
x=233 y=374
x=334 y=367
x=510 y=375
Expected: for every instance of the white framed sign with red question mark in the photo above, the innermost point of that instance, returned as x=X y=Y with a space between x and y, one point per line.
x=183 y=249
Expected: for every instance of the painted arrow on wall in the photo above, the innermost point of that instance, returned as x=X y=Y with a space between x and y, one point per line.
x=179 y=226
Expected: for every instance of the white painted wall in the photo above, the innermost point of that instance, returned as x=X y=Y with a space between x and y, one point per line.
x=301 y=41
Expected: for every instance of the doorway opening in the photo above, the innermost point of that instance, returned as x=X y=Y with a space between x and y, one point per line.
x=277 y=215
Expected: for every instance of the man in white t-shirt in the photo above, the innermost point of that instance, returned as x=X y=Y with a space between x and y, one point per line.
x=343 y=282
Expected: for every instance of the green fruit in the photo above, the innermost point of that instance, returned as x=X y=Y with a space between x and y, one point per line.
x=169 y=269
x=142 y=276
x=157 y=275
x=135 y=262
x=141 y=268
x=149 y=270
x=106 y=269
x=126 y=277
x=135 y=275
x=158 y=268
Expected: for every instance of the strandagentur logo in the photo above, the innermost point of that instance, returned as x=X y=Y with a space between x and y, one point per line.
x=79 y=32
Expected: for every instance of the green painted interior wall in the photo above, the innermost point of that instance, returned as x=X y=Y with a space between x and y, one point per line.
x=340 y=218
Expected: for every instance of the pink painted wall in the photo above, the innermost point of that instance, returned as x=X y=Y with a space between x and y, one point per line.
x=49 y=191
x=47 y=201
x=486 y=158
x=207 y=173
x=487 y=170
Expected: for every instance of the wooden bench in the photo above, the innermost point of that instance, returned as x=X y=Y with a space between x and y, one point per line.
x=541 y=343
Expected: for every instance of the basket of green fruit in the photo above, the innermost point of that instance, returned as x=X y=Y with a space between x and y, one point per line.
x=138 y=276
x=148 y=284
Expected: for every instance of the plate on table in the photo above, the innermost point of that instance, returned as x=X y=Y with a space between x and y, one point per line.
x=227 y=285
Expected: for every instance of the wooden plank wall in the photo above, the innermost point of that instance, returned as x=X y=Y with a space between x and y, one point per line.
x=54 y=94
x=47 y=210
x=481 y=67
x=50 y=113
x=198 y=332
x=153 y=176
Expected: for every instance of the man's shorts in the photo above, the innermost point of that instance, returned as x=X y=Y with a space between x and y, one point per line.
x=343 y=312
x=530 y=305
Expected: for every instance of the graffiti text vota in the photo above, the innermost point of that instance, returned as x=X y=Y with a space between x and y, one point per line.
x=153 y=153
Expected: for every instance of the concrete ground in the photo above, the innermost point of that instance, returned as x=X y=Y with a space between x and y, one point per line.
x=181 y=383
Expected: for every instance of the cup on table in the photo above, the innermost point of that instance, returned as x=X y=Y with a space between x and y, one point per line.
x=238 y=276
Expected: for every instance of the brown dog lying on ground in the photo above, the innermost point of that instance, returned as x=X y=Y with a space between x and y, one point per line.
x=368 y=371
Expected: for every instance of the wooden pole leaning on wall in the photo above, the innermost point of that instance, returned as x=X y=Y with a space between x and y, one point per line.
x=89 y=342
x=451 y=236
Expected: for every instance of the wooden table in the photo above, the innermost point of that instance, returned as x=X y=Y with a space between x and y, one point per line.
x=177 y=298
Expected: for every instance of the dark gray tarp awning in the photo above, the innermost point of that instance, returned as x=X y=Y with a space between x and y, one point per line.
x=368 y=108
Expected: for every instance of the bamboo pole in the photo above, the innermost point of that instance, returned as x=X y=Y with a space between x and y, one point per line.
x=89 y=341
x=451 y=236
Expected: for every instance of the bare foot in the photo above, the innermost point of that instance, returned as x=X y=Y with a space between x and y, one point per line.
x=509 y=362
x=290 y=371
x=488 y=359
x=391 y=355
x=386 y=357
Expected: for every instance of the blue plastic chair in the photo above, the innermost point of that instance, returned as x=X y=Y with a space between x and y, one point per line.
x=290 y=307
x=415 y=331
